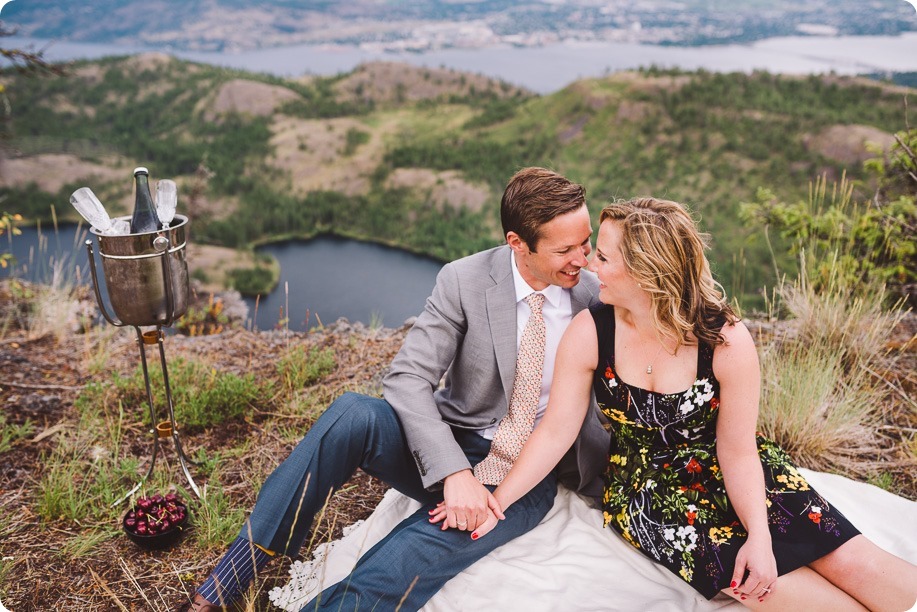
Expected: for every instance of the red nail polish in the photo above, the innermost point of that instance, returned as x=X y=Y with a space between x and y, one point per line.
x=744 y=598
x=733 y=584
x=761 y=599
x=735 y=592
x=474 y=536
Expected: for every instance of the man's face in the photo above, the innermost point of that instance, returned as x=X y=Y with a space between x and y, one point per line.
x=562 y=251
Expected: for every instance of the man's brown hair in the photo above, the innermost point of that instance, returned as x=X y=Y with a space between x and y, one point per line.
x=535 y=196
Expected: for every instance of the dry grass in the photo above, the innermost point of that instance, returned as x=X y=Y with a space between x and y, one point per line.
x=826 y=384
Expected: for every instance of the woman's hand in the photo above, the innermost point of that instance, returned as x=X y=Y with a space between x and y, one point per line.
x=756 y=557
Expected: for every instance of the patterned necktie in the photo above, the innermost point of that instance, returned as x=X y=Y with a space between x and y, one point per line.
x=518 y=423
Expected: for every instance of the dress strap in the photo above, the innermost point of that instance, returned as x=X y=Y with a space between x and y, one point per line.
x=604 y=317
x=705 y=354
x=704 y=360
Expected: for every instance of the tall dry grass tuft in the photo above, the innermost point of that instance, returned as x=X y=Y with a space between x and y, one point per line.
x=821 y=397
x=58 y=304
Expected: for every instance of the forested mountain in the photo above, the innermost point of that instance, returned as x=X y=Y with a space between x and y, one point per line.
x=418 y=157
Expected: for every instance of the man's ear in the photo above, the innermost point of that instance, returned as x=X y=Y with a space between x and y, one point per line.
x=516 y=243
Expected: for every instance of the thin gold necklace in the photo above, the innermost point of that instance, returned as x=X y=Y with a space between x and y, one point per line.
x=649 y=367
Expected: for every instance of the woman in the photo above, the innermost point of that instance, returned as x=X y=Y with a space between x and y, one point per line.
x=688 y=482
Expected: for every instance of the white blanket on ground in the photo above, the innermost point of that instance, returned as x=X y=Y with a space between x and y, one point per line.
x=570 y=562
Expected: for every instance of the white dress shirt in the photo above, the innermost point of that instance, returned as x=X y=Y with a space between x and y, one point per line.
x=557 y=312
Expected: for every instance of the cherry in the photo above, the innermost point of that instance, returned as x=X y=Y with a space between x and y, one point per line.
x=152 y=515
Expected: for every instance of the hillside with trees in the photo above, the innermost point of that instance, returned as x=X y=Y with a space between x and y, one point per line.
x=417 y=157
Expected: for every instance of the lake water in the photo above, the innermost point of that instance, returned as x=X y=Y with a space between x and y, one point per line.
x=328 y=277
x=321 y=279
x=43 y=253
x=551 y=67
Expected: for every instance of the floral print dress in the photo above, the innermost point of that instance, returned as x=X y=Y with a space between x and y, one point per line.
x=664 y=492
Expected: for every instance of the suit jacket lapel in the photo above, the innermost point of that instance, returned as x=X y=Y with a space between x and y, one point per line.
x=501 y=312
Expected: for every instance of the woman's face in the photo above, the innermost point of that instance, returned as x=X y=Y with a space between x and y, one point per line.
x=616 y=285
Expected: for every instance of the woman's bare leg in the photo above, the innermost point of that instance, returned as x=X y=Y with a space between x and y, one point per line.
x=802 y=589
x=876 y=578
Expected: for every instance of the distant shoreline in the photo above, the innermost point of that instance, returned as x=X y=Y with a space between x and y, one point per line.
x=549 y=68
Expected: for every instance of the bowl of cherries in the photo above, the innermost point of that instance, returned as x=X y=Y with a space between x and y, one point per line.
x=157 y=521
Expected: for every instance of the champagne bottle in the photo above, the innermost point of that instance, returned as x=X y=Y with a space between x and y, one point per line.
x=144 y=218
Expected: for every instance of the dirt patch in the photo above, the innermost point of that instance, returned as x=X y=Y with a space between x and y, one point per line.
x=92 y=73
x=246 y=97
x=574 y=130
x=312 y=152
x=147 y=61
x=634 y=111
x=847 y=144
x=651 y=84
x=391 y=82
x=591 y=92
x=62 y=104
x=52 y=171
x=444 y=189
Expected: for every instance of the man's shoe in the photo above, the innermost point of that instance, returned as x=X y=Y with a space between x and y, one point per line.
x=198 y=604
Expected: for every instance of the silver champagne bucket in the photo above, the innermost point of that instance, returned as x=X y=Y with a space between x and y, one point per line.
x=146 y=285
x=147 y=280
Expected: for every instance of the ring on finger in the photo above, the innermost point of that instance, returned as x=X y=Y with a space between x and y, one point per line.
x=766 y=590
x=462 y=524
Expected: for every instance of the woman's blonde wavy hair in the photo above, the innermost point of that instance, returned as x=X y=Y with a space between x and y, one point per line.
x=664 y=253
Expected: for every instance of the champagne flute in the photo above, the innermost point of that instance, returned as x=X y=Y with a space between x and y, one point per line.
x=87 y=204
x=166 y=201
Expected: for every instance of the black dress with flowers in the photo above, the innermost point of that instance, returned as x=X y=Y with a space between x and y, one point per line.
x=664 y=491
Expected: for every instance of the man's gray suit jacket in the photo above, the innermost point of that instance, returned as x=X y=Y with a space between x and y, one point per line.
x=467 y=331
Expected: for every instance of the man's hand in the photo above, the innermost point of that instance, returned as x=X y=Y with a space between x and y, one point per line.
x=466 y=504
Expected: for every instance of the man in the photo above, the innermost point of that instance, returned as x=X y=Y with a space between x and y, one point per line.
x=423 y=439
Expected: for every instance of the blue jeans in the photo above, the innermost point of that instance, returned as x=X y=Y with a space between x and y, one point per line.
x=358 y=431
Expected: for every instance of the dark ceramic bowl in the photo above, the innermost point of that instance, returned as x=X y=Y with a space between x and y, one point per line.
x=157 y=541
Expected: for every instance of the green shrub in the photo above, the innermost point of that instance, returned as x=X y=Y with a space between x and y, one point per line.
x=202 y=396
x=354 y=139
x=857 y=242
x=253 y=281
x=299 y=367
x=10 y=434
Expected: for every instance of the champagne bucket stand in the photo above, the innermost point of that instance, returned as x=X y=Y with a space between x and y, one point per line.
x=147 y=280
